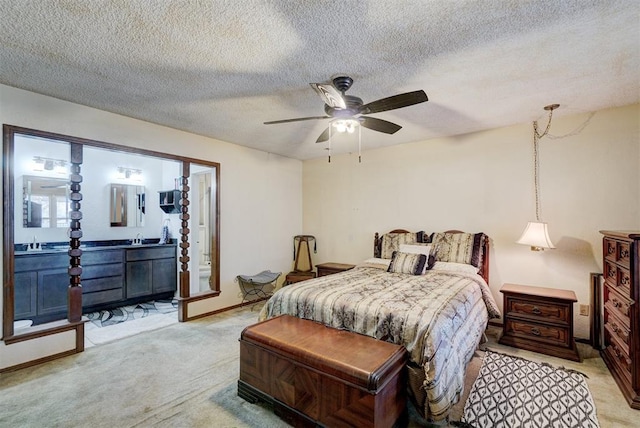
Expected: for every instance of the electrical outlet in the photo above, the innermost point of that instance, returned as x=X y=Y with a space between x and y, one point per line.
x=584 y=310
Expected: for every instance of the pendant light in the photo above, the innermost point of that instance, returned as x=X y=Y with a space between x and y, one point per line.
x=536 y=233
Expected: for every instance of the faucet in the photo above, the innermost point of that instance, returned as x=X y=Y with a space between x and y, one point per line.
x=138 y=239
x=34 y=246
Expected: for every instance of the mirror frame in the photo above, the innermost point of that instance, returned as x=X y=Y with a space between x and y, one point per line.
x=9 y=131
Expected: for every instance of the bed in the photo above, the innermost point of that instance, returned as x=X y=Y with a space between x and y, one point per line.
x=427 y=292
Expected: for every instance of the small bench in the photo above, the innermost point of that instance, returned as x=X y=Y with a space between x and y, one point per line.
x=317 y=375
x=253 y=285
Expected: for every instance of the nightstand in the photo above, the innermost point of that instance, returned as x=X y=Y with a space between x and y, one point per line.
x=539 y=319
x=331 y=268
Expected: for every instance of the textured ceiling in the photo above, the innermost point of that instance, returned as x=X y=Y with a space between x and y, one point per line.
x=222 y=68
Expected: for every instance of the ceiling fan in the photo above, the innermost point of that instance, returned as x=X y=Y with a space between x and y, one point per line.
x=347 y=110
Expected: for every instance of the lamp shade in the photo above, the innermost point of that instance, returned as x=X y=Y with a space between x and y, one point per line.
x=536 y=235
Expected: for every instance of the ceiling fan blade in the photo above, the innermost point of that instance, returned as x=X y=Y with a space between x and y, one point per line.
x=323 y=137
x=330 y=95
x=397 y=101
x=379 y=125
x=296 y=119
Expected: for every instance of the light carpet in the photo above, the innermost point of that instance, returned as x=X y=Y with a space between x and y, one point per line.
x=512 y=392
x=185 y=375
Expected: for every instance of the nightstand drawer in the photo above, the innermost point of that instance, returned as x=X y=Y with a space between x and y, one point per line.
x=555 y=335
x=539 y=319
x=539 y=310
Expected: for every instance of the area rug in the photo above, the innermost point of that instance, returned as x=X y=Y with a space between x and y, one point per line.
x=132 y=312
x=513 y=392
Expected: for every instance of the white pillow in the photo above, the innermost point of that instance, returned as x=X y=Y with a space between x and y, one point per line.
x=416 y=249
x=377 y=263
x=454 y=267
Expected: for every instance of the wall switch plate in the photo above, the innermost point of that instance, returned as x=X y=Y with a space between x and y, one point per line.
x=584 y=310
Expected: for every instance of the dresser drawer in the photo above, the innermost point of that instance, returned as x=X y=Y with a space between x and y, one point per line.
x=610 y=249
x=617 y=251
x=555 y=335
x=623 y=254
x=617 y=304
x=618 y=356
x=617 y=329
x=618 y=278
x=541 y=310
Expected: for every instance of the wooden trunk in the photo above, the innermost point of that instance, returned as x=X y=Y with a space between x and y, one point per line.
x=317 y=375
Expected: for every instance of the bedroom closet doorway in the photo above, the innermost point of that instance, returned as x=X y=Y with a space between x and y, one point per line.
x=84 y=231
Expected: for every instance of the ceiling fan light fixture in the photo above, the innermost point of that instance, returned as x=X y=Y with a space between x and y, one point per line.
x=345 y=125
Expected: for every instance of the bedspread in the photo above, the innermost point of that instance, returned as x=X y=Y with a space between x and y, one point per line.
x=438 y=317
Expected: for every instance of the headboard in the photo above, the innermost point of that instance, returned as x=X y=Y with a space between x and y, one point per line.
x=484 y=270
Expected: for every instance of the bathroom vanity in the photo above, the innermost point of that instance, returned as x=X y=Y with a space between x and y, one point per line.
x=112 y=276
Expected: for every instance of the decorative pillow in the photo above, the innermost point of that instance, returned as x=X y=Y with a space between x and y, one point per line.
x=413 y=264
x=459 y=247
x=425 y=249
x=391 y=242
x=454 y=267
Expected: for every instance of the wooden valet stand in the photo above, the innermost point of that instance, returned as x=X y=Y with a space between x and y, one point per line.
x=303 y=267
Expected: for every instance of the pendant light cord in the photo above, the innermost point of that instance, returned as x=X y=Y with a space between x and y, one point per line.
x=536 y=163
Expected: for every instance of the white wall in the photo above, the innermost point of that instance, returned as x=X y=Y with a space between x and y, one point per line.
x=483 y=182
x=99 y=170
x=260 y=193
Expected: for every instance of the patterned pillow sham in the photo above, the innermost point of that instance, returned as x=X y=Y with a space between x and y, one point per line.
x=391 y=242
x=459 y=247
x=412 y=264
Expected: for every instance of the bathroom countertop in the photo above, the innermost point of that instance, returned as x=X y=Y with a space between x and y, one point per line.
x=63 y=249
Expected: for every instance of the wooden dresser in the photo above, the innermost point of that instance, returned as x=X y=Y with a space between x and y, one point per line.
x=621 y=264
x=539 y=319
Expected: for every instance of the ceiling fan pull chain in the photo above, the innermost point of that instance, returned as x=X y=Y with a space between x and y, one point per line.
x=330 y=126
x=359 y=144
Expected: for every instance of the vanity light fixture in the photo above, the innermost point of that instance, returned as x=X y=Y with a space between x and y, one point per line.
x=59 y=166
x=536 y=233
x=129 y=173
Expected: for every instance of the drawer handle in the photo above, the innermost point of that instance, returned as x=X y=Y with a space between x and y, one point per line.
x=616 y=351
x=536 y=310
x=615 y=327
x=535 y=331
x=620 y=356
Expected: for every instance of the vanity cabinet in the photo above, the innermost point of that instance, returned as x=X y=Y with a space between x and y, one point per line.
x=151 y=271
x=102 y=278
x=25 y=295
x=111 y=277
x=40 y=287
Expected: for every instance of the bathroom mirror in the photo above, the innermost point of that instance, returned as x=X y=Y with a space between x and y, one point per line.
x=45 y=202
x=127 y=205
